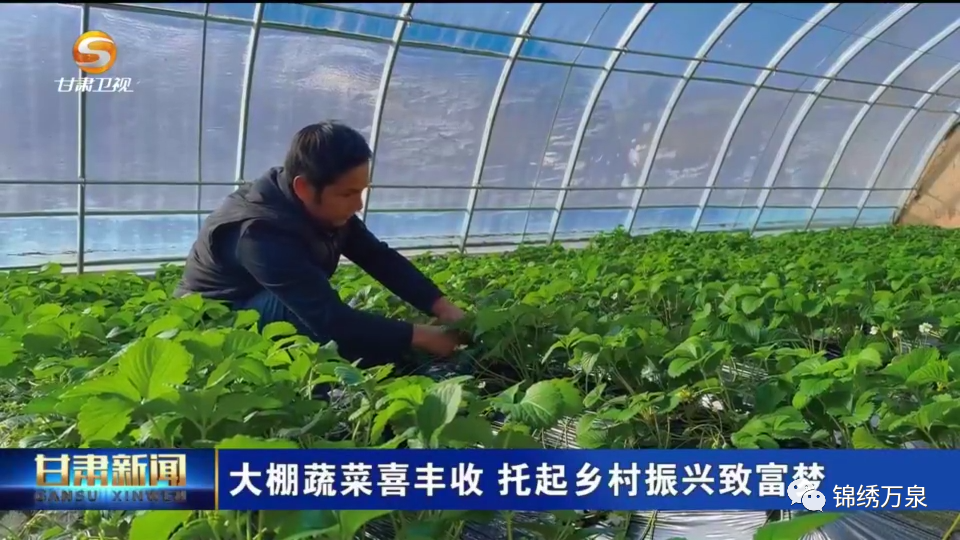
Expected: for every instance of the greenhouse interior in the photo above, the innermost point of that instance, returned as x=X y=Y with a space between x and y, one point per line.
x=600 y=187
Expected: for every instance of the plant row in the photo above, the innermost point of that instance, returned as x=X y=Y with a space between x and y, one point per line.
x=836 y=339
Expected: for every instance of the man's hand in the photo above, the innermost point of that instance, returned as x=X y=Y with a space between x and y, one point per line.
x=447 y=312
x=434 y=340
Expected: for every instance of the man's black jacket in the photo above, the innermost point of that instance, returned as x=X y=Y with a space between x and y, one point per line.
x=261 y=238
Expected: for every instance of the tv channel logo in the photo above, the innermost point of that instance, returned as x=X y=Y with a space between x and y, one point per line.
x=95 y=52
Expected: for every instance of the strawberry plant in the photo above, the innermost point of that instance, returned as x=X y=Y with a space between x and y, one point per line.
x=833 y=339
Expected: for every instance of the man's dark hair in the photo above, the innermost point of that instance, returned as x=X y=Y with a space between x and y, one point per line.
x=324 y=152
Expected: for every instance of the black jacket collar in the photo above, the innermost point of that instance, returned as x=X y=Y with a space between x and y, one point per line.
x=282 y=184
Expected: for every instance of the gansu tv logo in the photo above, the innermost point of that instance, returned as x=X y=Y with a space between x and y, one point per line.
x=95 y=52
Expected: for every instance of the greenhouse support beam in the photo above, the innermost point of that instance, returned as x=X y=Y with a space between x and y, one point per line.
x=246 y=91
x=346 y=8
x=150 y=214
x=752 y=93
x=488 y=187
x=549 y=135
x=378 y=107
x=867 y=107
x=895 y=139
x=588 y=108
x=314 y=31
x=203 y=74
x=849 y=54
x=671 y=106
x=82 y=153
x=492 y=118
x=101 y=265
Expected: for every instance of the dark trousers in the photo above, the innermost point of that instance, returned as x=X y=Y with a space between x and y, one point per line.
x=271 y=310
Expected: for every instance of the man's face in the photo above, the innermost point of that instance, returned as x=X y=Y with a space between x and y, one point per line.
x=339 y=201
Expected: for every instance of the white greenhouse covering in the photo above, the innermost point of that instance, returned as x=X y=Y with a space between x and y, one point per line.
x=492 y=124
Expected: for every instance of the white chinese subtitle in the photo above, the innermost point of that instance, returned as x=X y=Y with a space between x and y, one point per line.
x=630 y=479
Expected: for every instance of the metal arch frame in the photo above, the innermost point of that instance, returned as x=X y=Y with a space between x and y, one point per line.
x=402 y=22
x=246 y=91
x=752 y=93
x=588 y=109
x=865 y=110
x=82 y=154
x=849 y=54
x=553 y=124
x=203 y=74
x=370 y=38
x=898 y=133
x=498 y=93
x=671 y=106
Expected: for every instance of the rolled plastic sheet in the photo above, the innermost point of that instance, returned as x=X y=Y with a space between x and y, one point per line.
x=888 y=526
x=744 y=526
x=695 y=525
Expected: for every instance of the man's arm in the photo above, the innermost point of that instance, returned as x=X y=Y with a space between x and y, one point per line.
x=276 y=261
x=392 y=269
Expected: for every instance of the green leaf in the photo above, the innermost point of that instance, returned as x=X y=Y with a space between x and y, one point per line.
x=246 y=318
x=439 y=408
x=749 y=304
x=196 y=530
x=8 y=351
x=53 y=532
x=43 y=339
x=103 y=419
x=514 y=439
x=279 y=329
x=468 y=430
x=287 y=523
x=348 y=375
x=796 y=528
x=90 y=326
x=809 y=389
x=243 y=442
x=546 y=402
x=870 y=356
x=594 y=396
x=352 y=520
x=863 y=409
x=904 y=365
x=679 y=366
x=770 y=282
x=157 y=524
x=384 y=416
x=935 y=372
x=45 y=312
x=768 y=397
x=155 y=367
x=163 y=324
x=864 y=440
x=487 y=320
x=933 y=413
x=243 y=343
x=113 y=384
x=590 y=433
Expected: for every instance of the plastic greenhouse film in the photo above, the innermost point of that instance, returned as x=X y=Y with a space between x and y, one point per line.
x=744 y=525
x=888 y=526
x=696 y=525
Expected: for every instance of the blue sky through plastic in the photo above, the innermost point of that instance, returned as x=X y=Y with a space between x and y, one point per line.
x=718 y=150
